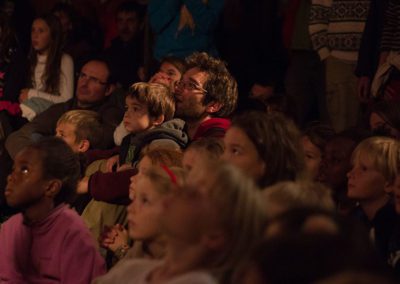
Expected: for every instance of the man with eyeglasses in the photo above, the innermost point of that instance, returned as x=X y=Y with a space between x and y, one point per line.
x=94 y=88
x=206 y=96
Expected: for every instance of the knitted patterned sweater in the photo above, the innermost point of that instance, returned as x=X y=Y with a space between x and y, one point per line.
x=336 y=27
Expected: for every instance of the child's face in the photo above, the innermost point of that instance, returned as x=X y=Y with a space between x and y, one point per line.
x=241 y=152
x=167 y=75
x=312 y=157
x=26 y=186
x=40 y=35
x=136 y=117
x=144 y=164
x=365 y=182
x=191 y=157
x=188 y=213
x=145 y=211
x=336 y=162
x=66 y=131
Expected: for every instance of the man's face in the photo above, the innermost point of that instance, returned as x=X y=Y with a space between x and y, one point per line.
x=92 y=84
x=189 y=95
x=127 y=25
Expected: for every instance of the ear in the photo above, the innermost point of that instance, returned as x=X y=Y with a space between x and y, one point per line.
x=110 y=89
x=84 y=145
x=213 y=107
x=215 y=240
x=53 y=188
x=158 y=120
x=389 y=187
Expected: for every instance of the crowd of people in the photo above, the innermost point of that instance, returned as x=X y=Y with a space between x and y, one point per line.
x=200 y=141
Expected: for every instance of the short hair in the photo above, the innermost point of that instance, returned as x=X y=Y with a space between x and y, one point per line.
x=166 y=156
x=383 y=152
x=212 y=147
x=297 y=194
x=156 y=97
x=220 y=85
x=319 y=134
x=87 y=126
x=111 y=79
x=238 y=209
x=59 y=162
x=277 y=141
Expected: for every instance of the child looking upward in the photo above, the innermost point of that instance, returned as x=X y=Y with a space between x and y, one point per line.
x=47 y=241
x=148 y=117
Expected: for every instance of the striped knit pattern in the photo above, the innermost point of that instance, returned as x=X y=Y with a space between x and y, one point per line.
x=391 y=29
x=336 y=27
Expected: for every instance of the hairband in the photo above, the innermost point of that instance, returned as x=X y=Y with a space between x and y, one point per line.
x=170 y=174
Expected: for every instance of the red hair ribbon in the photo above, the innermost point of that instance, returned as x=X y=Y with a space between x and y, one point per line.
x=171 y=175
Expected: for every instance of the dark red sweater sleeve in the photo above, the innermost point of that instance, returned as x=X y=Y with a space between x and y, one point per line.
x=111 y=187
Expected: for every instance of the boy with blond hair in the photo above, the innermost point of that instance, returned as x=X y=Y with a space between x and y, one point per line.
x=80 y=129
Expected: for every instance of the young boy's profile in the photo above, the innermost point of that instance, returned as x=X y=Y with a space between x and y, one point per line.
x=80 y=129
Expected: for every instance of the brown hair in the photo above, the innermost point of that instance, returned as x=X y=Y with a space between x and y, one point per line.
x=277 y=141
x=221 y=87
x=157 y=98
x=51 y=75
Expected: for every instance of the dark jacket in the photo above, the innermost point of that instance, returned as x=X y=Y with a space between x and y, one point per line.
x=45 y=124
x=114 y=187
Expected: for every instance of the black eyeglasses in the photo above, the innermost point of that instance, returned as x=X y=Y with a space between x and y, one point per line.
x=95 y=80
x=191 y=86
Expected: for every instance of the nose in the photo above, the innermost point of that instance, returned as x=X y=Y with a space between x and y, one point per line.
x=131 y=209
x=225 y=156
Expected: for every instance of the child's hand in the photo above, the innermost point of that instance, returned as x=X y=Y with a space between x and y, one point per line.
x=111 y=163
x=83 y=186
x=124 y=167
x=23 y=95
x=114 y=237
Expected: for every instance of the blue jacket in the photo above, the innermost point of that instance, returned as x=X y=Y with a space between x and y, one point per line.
x=164 y=19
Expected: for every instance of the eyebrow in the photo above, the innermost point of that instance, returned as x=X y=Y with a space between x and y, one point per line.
x=194 y=81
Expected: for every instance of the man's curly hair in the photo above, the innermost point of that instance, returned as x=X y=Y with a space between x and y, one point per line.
x=221 y=87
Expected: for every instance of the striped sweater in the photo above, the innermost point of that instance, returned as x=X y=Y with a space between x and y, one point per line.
x=336 y=27
x=391 y=28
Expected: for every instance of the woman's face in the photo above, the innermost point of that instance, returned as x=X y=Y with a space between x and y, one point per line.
x=26 y=185
x=40 y=35
x=312 y=157
x=241 y=152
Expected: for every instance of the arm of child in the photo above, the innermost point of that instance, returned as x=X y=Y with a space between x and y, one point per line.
x=111 y=163
x=111 y=187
